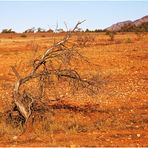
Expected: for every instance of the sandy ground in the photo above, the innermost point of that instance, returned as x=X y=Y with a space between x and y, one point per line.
x=120 y=117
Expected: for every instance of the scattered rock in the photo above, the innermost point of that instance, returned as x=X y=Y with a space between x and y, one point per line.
x=138 y=135
x=14 y=137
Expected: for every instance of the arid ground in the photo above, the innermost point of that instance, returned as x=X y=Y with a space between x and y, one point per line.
x=116 y=116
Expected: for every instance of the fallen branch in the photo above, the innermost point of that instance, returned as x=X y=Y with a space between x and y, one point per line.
x=43 y=68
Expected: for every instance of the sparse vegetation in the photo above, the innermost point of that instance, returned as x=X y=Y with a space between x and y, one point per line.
x=40 y=30
x=68 y=113
x=23 y=35
x=139 y=35
x=128 y=40
x=132 y=28
x=50 y=30
x=7 y=31
x=85 y=40
x=31 y=30
x=44 y=71
x=111 y=35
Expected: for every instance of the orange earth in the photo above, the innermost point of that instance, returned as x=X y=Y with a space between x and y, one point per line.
x=116 y=116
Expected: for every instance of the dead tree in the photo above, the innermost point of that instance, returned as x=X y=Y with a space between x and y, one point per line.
x=60 y=53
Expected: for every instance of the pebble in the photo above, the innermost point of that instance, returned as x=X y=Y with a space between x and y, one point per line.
x=138 y=135
x=61 y=96
x=15 y=137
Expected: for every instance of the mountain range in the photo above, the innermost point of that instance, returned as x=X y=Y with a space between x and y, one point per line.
x=129 y=25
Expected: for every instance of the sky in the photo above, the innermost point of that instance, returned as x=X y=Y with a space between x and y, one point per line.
x=21 y=15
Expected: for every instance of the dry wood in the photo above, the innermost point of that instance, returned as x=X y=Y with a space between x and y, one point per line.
x=40 y=69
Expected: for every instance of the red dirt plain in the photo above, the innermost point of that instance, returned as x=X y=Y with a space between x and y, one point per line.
x=116 y=116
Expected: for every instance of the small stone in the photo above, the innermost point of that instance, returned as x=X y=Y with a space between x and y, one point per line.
x=61 y=96
x=15 y=137
x=131 y=110
x=72 y=146
x=138 y=135
x=107 y=139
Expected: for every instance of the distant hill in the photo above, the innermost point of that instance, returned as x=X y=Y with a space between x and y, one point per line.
x=137 y=25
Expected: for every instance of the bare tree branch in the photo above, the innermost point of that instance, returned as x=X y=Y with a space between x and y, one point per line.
x=52 y=63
